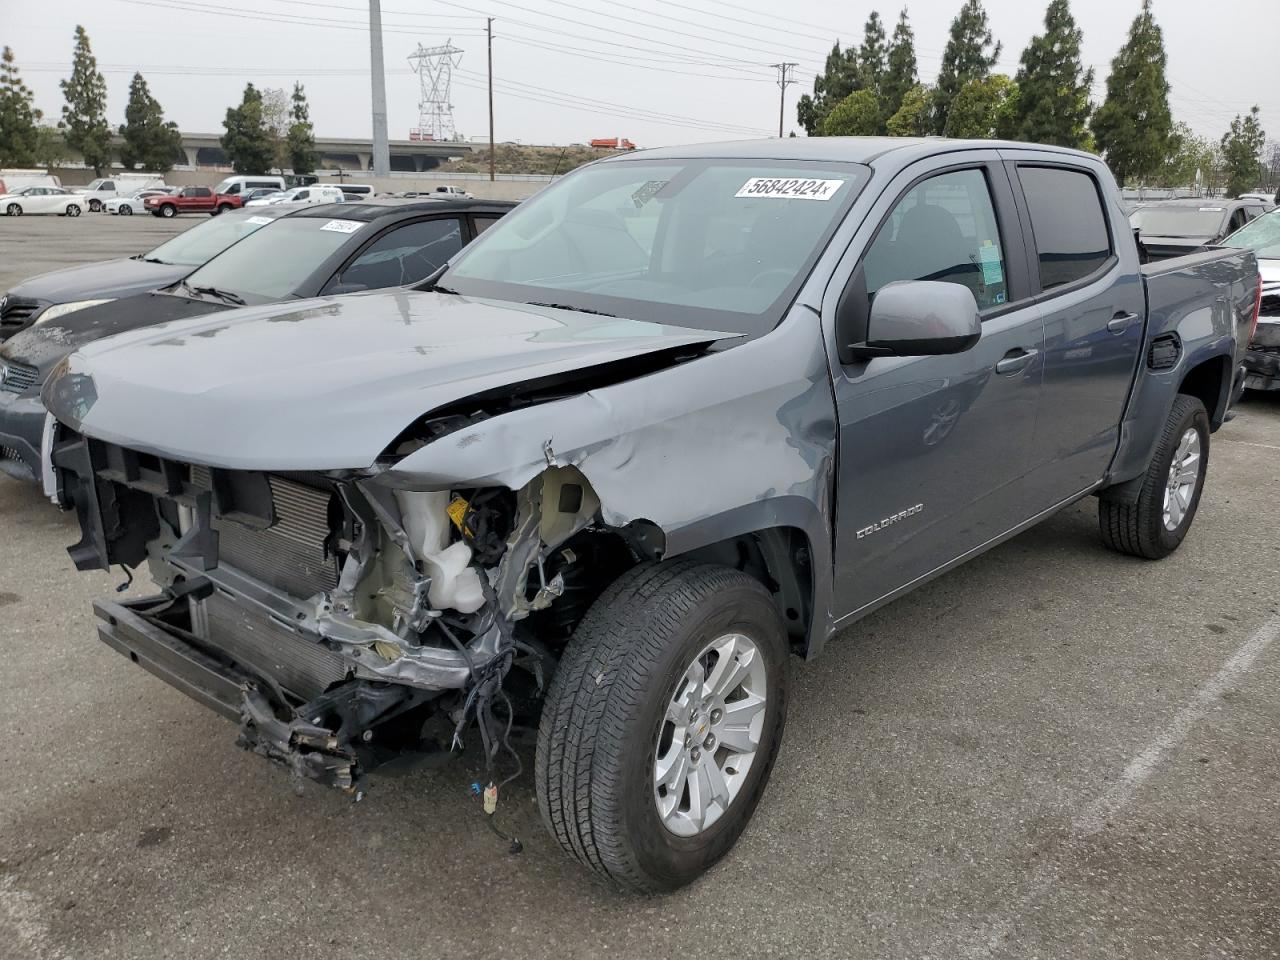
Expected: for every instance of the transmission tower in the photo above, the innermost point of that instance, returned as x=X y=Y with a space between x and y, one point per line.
x=434 y=67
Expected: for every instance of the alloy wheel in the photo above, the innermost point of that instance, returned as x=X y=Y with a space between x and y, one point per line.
x=1184 y=474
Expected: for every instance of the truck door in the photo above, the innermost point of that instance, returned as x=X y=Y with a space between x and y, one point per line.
x=933 y=450
x=1090 y=290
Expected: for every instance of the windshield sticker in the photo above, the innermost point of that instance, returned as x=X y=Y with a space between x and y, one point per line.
x=647 y=192
x=259 y=221
x=343 y=226
x=790 y=188
x=989 y=261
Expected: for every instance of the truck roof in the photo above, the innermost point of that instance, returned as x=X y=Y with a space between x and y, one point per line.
x=834 y=149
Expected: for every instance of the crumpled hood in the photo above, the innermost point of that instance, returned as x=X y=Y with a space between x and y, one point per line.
x=95 y=281
x=329 y=383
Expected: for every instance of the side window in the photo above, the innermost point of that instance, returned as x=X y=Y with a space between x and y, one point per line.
x=203 y=192
x=302 y=194
x=1068 y=222
x=482 y=224
x=109 y=185
x=944 y=229
x=405 y=255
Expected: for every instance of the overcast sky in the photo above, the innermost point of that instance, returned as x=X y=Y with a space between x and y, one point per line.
x=655 y=71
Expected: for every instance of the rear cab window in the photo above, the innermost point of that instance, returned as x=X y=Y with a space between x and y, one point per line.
x=1068 y=223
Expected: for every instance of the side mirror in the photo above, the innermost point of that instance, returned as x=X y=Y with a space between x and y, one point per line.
x=918 y=318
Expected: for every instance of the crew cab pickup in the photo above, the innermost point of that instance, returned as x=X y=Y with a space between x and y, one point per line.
x=679 y=416
x=190 y=200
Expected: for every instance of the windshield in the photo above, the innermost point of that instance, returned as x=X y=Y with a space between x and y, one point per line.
x=206 y=240
x=273 y=262
x=95 y=185
x=713 y=244
x=1262 y=236
x=1187 y=221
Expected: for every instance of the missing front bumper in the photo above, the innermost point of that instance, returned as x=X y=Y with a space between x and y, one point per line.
x=325 y=739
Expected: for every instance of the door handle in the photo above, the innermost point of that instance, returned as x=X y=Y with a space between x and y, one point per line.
x=1015 y=361
x=1120 y=322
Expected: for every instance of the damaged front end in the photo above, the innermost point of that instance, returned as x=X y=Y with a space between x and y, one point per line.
x=339 y=621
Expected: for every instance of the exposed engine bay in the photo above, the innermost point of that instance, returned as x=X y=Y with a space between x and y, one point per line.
x=341 y=622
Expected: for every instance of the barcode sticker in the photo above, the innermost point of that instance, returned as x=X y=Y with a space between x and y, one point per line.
x=343 y=226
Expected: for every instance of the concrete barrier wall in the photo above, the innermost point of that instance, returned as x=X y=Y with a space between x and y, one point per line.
x=508 y=189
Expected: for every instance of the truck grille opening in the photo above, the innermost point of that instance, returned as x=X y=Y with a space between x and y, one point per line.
x=17 y=377
x=291 y=554
x=16 y=314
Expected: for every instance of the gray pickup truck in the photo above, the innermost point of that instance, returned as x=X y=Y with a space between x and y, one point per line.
x=681 y=415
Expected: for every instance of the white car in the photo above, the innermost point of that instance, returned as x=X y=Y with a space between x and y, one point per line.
x=127 y=206
x=312 y=194
x=42 y=200
x=99 y=191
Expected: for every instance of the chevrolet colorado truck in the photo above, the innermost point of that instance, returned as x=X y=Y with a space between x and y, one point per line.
x=678 y=417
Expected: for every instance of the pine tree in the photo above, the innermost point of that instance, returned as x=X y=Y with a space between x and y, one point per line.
x=84 y=118
x=1053 y=85
x=838 y=79
x=1242 y=152
x=19 y=119
x=872 y=54
x=247 y=142
x=900 y=69
x=983 y=109
x=302 y=141
x=1133 y=124
x=915 y=117
x=970 y=54
x=149 y=141
x=857 y=115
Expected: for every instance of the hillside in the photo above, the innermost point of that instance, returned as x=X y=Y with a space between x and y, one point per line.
x=514 y=158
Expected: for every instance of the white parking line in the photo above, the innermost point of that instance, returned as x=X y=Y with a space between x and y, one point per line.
x=1246 y=443
x=1096 y=815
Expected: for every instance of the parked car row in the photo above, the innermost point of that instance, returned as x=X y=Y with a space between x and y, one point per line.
x=680 y=416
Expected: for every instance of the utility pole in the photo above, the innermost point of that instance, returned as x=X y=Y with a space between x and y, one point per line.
x=381 y=149
x=786 y=77
x=489 y=28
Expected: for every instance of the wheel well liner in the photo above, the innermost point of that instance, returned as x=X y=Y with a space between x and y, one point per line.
x=1210 y=382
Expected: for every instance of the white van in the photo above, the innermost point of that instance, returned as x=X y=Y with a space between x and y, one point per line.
x=99 y=191
x=14 y=179
x=241 y=187
x=317 y=193
x=356 y=191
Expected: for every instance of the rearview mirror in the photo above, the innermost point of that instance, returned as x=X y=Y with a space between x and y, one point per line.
x=919 y=318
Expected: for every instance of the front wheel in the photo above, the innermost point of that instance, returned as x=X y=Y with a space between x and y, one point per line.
x=662 y=722
x=73 y=210
x=13 y=210
x=126 y=210
x=168 y=210
x=222 y=208
x=95 y=206
x=1155 y=523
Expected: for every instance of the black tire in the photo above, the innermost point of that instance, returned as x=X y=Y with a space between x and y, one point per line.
x=126 y=210
x=222 y=208
x=13 y=210
x=73 y=210
x=1137 y=526
x=598 y=736
x=95 y=206
x=168 y=210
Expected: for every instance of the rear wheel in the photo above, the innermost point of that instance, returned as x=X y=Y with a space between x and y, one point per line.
x=73 y=210
x=13 y=210
x=223 y=208
x=168 y=210
x=1154 y=524
x=662 y=722
x=95 y=206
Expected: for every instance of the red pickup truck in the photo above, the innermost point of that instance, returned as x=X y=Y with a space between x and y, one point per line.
x=191 y=200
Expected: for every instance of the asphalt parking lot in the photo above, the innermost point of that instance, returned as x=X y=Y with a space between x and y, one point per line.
x=1052 y=752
